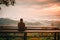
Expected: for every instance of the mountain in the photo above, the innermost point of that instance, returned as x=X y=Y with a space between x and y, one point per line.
x=6 y=21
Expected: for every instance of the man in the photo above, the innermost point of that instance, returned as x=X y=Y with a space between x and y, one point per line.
x=21 y=25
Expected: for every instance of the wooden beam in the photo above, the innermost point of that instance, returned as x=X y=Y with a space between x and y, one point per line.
x=31 y=31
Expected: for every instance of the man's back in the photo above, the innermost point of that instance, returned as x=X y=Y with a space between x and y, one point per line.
x=21 y=25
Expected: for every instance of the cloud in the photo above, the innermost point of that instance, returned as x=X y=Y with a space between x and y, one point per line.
x=57 y=0
x=33 y=9
x=39 y=3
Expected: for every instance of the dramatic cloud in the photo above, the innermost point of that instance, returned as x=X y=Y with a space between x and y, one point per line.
x=40 y=3
x=33 y=9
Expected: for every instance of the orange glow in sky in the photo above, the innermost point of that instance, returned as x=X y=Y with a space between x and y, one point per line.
x=32 y=10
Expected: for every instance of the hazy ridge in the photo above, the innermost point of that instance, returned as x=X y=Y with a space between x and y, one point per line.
x=7 y=21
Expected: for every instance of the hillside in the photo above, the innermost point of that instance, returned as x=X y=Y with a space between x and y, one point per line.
x=6 y=21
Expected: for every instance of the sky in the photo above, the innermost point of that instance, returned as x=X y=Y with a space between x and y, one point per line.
x=32 y=10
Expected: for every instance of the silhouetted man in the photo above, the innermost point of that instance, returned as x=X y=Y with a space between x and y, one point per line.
x=21 y=25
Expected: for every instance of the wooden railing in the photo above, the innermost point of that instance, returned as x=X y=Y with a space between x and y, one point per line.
x=31 y=30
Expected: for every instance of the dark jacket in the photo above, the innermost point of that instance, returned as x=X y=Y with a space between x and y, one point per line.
x=21 y=26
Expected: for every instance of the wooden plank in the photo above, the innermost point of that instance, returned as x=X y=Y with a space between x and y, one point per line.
x=30 y=28
x=31 y=31
x=43 y=27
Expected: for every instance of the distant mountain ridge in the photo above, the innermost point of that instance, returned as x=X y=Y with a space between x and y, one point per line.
x=6 y=21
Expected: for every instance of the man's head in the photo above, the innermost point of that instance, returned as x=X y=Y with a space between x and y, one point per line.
x=21 y=20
